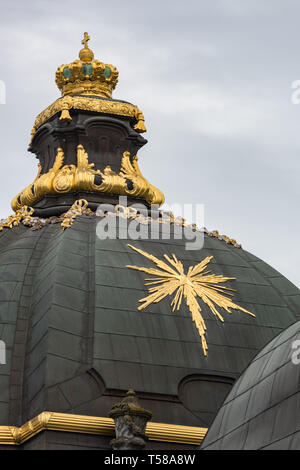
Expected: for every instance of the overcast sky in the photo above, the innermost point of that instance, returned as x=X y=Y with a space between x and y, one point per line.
x=213 y=79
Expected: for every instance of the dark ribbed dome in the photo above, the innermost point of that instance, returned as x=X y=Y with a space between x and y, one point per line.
x=76 y=340
x=261 y=411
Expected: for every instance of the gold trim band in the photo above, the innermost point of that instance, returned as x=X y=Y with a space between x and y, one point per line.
x=85 y=103
x=13 y=435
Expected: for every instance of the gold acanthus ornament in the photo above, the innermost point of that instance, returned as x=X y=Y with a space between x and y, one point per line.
x=72 y=178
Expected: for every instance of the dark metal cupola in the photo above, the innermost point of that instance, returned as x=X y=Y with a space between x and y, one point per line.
x=86 y=143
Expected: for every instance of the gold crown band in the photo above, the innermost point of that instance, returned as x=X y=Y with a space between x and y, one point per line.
x=81 y=77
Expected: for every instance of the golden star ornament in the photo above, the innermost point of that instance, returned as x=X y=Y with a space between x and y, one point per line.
x=171 y=279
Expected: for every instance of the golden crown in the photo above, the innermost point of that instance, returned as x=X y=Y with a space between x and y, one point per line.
x=87 y=76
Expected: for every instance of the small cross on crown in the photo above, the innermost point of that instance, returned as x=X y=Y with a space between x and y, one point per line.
x=85 y=40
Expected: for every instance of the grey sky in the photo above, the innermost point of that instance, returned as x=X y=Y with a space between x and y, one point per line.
x=213 y=79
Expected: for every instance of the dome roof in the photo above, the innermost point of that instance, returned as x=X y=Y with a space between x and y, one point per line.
x=75 y=338
x=261 y=411
x=86 y=317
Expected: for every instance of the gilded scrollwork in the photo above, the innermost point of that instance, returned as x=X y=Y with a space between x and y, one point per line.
x=130 y=170
x=72 y=178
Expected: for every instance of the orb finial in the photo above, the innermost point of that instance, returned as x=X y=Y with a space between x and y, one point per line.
x=86 y=55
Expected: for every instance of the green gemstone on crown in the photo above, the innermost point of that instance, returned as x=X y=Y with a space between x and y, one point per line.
x=107 y=72
x=67 y=72
x=87 y=69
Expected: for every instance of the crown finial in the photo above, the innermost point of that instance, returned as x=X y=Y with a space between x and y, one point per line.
x=86 y=55
x=87 y=76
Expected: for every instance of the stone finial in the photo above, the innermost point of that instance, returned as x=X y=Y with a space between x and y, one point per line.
x=130 y=423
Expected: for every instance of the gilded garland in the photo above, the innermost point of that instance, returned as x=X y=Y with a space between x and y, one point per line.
x=80 y=207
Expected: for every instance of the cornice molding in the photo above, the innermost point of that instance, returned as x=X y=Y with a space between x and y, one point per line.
x=162 y=432
x=87 y=103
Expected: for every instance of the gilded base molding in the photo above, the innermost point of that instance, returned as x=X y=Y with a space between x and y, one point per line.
x=162 y=432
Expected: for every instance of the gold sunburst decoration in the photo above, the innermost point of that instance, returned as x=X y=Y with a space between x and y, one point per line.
x=171 y=279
